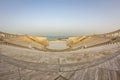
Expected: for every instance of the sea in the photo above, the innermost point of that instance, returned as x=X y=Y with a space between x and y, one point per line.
x=57 y=37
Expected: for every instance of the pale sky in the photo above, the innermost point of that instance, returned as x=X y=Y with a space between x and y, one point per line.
x=59 y=17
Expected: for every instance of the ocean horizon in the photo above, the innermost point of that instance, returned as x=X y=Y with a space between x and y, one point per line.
x=56 y=37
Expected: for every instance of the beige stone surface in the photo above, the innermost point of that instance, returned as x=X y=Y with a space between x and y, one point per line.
x=24 y=57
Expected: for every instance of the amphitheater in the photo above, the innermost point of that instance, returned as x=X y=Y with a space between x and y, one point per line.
x=91 y=57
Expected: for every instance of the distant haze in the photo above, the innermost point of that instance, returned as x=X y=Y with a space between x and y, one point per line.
x=59 y=17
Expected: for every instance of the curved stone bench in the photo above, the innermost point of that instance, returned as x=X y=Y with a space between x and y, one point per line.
x=57 y=67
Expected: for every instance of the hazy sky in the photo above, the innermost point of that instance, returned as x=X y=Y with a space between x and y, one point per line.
x=59 y=17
